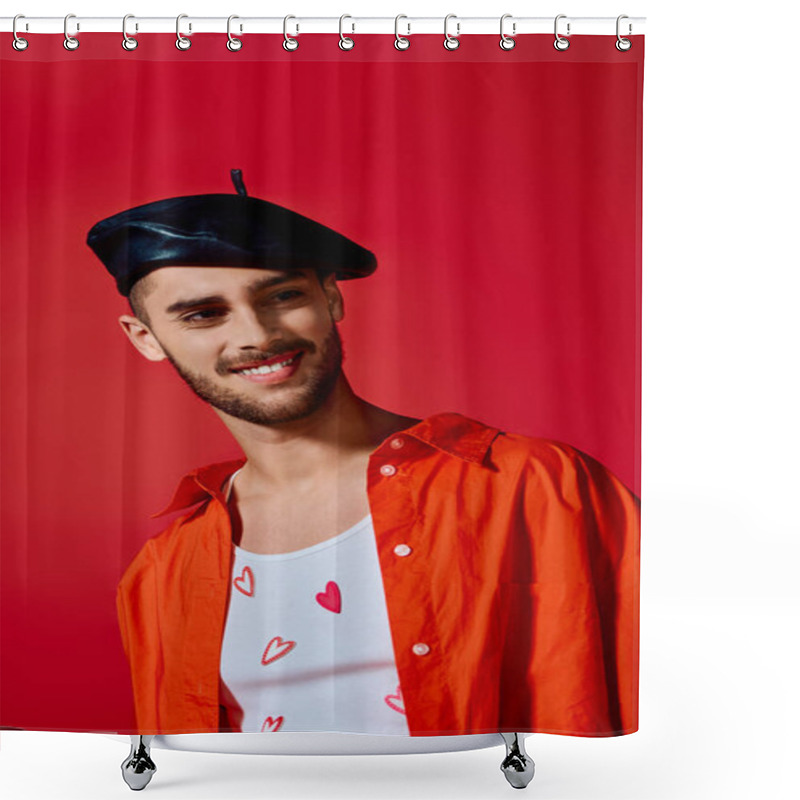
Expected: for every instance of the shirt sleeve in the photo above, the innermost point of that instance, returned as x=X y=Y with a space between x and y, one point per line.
x=575 y=594
x=611 y=526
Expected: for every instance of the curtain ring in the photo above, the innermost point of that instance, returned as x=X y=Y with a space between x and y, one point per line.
x=289 y=43
x=234 y=44
x=622 y=44
x=506 y=42
x=182 y=43
x=451 y=42
x=345 y=42
x=128 y=42
x=18 y=43
x=70 y=42
x=561 y=43
x=400 y=42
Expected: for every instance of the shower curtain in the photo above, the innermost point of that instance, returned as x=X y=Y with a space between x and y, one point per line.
x=320 y=385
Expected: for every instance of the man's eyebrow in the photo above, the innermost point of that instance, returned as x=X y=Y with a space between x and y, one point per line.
x=256 y=286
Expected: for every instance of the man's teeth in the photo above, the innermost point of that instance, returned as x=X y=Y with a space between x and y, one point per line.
x=267 y=368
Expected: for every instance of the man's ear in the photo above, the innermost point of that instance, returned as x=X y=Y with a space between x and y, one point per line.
x=142 y=338
x=334 y=296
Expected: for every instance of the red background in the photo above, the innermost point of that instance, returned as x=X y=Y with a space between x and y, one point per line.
x=500 y=191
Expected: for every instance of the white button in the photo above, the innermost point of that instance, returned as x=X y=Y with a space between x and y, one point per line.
x=421 y=649
x=396 y=443
x=388 y=469
x=402 y=550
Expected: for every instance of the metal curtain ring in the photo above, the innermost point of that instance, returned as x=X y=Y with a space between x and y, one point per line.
x=561 y=43
x=400 y=42
x=345 y=42
x=289 y=43
x=18 y=43
x=451 y=42
x=622 y=44
x=234 y=44
x=182 y=43
x=70 y=42
x=506 y=42
x=128 y=42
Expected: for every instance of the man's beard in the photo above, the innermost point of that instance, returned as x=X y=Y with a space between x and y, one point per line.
x=304 y=401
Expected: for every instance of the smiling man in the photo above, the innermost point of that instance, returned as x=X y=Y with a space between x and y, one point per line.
x=357 y=570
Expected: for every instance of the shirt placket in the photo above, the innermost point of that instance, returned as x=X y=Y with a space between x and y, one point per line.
x=404 y=555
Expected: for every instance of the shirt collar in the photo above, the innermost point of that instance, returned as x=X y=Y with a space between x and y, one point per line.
x=455 y=434
x=449 y=432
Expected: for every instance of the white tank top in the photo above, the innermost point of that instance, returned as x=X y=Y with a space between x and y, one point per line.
x=307 y=644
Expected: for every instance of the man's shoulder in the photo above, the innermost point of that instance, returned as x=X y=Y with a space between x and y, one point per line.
x=200 y=483
x=541 y=448
x=502 y=458
x=500 y=444
x=553 y=462
x=193 y=496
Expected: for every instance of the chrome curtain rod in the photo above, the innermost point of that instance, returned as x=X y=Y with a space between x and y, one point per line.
x=457 y=26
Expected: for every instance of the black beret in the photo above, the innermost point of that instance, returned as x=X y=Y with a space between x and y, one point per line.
x=214 y=230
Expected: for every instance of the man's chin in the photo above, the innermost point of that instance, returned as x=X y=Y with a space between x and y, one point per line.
x=294 y=405
x=258 y=416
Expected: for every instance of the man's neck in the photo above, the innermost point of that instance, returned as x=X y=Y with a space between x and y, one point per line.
x=301 y=453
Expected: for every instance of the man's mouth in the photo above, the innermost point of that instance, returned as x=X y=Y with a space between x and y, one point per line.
x=269 y=365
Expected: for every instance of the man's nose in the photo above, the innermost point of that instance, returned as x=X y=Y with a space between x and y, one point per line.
x=256 y=330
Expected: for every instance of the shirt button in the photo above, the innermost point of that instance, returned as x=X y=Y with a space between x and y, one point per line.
x=402 y=550
x=421 y=649
x=396 y=443
x=388 y=469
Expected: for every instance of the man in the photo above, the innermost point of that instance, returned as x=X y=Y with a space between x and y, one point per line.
x=358 y=570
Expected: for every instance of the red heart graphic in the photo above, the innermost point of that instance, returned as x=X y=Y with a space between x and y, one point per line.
x=245 y=577
x=279 y=648
x=331 y=598
x=395 y=701
x=272 y=724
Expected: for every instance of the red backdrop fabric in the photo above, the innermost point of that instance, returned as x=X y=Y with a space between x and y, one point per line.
x=499 y=190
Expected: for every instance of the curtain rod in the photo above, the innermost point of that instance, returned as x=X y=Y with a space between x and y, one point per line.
x=407 y=26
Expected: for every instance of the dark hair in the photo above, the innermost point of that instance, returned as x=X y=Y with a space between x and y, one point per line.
x=136 y=297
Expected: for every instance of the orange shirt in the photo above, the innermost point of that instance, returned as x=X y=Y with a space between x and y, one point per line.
x=522 y=580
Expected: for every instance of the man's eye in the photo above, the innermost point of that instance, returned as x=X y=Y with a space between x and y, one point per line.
x=199 y=316
x=288 y=294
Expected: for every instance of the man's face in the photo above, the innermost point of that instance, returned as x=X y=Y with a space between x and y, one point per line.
x=260 y=345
